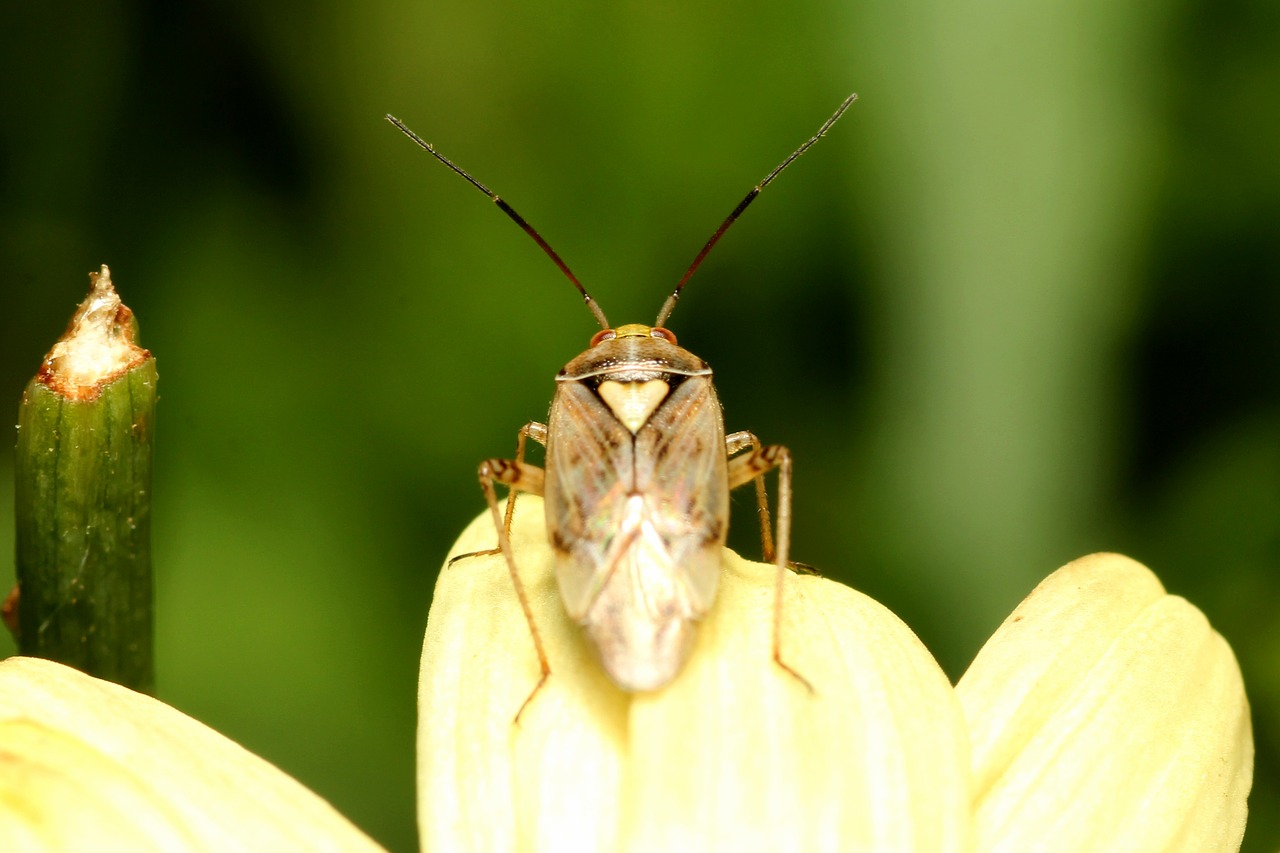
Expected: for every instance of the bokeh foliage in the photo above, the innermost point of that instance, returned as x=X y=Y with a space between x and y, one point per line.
x=1021 y=305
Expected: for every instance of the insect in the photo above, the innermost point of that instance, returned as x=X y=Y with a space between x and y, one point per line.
x=636 y=481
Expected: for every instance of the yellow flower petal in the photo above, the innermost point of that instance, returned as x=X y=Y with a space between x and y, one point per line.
x=89 y=765
x=1107 y=715
x=735 y=754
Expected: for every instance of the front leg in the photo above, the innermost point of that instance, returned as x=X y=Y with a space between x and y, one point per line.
x=735 y=443
x=517 y=475
x=753 y=466
x=536 y=431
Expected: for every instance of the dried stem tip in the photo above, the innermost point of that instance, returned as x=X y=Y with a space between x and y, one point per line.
x=98 y=346
x=82 y=477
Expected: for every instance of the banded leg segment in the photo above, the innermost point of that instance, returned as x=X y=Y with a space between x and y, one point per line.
x=538 y=432
x=518 y=476
x=734 y=444
x=753 y=466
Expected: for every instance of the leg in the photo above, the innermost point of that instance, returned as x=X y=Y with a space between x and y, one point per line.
x=538 y=432
x=517 y=476
x=752 y=467
x=735 y=443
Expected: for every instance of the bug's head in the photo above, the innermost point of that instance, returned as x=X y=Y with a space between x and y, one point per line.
x=633 y=330
x=633 y=353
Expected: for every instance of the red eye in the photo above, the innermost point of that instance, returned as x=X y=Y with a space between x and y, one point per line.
x=603 y=335
x=666 y=334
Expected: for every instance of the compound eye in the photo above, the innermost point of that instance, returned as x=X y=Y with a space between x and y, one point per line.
x=666 y=334
x=603 y=335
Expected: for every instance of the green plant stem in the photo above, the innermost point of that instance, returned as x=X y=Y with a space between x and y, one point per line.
x=83 y=479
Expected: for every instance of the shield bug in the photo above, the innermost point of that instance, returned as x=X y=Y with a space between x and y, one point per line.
x=636 y=481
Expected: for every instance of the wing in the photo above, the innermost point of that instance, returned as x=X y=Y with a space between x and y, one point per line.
x=590 y=470
x=681 y=466
x=637 y=523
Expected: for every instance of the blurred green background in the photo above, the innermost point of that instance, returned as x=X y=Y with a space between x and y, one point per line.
x=1021 y=305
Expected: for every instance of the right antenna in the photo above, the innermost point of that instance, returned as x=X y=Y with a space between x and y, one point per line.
x=670 y=304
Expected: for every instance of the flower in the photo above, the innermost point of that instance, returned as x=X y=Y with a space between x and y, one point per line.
x=1104 y=715
x=89 y=765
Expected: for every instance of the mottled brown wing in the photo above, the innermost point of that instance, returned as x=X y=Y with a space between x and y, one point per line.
x=681 y=462
x=589 y=473
x=637 y=523
x=675 y=467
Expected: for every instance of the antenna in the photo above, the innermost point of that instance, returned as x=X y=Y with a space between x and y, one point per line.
x=670 y=304
x=515 y=217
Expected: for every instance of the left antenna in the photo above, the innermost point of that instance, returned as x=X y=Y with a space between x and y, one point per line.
x=509 y=211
